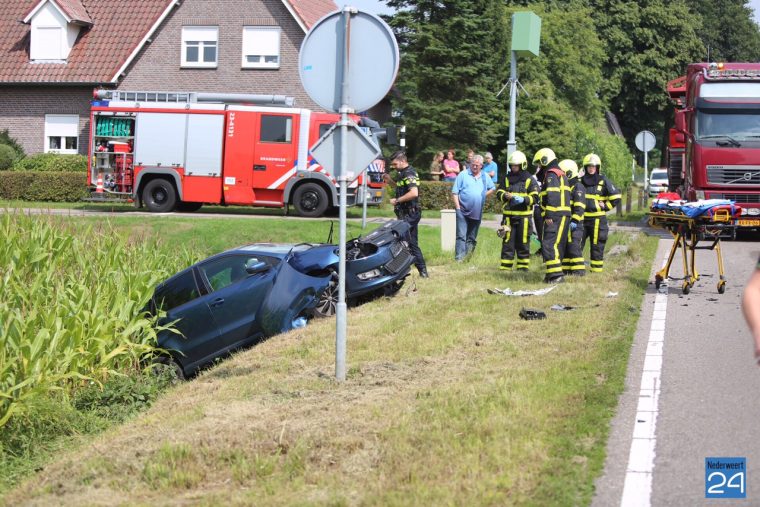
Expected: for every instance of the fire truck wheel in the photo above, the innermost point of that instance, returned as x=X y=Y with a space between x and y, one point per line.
x=310 y=200
x=159 y=196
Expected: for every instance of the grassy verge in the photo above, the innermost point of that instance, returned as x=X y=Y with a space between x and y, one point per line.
x=384 y=210
x=450 y=397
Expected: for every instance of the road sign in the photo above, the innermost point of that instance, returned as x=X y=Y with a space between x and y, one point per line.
x=373 y=56
x=645 y=141
x=362 y=150
x=348 y=62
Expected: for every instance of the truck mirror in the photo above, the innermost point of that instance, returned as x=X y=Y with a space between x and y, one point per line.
x=681 y=121
x=387 y=135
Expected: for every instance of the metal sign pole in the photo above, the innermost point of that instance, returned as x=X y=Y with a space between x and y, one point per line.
x=511 y=143
x=364 y=197
x=340 y=328
x=646 y=167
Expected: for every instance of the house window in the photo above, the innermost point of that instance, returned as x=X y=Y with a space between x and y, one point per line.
x=61 y=133
x=199 y=46
x=46 y=44
x=261 y=47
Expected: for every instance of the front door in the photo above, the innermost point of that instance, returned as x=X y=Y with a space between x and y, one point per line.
x=274 y=155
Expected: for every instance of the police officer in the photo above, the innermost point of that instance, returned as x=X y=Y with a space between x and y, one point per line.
x=406 y=204
x=555 y=210
x=572 y=262
x=519 y=195
x=601 y=197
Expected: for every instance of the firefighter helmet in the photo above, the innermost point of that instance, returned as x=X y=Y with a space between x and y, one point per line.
x=570 y=168
x=518 y=158
x=543 y=157
x=592 y=159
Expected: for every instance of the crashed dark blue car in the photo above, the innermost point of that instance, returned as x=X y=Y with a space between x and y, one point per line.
x=238 y=297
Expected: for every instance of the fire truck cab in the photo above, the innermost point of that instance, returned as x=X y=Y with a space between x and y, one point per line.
x=168 y=151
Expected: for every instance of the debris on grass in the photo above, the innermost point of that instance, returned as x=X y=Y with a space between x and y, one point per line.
x=532 y=314
x=510 y=292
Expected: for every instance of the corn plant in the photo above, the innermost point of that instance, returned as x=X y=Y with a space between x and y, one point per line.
x=71 y=305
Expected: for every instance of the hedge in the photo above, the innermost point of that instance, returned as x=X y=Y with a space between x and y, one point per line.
x=52 y=162
x=436 y=195
x=43 y=186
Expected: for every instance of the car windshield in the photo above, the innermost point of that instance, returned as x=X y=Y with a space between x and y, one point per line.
x=726 y=124
x=659 y=177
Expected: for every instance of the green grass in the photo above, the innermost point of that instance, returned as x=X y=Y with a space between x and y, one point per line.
x=450 y=397
x=355 y=212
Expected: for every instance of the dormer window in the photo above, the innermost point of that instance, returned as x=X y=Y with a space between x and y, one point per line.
x=55 y=28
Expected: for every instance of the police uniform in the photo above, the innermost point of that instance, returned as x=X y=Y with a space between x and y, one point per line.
x=601 y=196
x=517 y=218
x=555 y=205
x=410 y=212
x=572 y=263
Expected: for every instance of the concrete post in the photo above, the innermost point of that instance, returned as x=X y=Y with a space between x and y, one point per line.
x=448 y=230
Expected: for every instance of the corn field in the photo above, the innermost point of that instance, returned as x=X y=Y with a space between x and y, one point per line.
x=71 y=303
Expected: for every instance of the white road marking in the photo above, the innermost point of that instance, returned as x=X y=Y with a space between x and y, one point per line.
x=637 y=489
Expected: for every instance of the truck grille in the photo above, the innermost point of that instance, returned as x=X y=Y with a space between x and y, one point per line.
x=733 y=174
x=399 y=261
x=738 y=198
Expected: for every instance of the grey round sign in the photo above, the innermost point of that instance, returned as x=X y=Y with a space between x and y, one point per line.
x=645 y=141
x=373 y=61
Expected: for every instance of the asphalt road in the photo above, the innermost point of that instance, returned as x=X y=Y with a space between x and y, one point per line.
x=709 y=387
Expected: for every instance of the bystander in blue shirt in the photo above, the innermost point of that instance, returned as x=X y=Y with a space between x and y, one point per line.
x=489 y=166
x=472 y=191
x=469 y=193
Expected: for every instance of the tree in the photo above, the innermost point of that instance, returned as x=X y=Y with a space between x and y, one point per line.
x=728 y=31
x=454 y=59
x=648 y=43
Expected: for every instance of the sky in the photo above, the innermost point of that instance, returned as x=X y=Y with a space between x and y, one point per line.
x=755 y=4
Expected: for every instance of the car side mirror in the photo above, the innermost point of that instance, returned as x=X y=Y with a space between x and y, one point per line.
x=254 y=266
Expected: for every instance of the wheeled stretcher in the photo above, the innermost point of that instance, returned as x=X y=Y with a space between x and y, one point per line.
x=690 y=224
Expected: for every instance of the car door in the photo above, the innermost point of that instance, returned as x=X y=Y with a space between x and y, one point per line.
x=235 y=296
x=185 y=302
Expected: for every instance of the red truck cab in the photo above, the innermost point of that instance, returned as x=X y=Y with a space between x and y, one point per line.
x=714 y=150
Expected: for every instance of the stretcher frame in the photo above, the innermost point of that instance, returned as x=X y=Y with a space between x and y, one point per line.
x=687 y=233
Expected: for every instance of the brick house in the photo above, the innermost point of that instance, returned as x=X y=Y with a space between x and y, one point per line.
x=53 y=53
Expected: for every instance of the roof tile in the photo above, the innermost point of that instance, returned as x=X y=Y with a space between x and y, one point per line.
x=74 y=10
x=117 y=28
x=311 y=11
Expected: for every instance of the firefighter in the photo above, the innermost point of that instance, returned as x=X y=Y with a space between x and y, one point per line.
x=519 y=195
x=555 y=211
x=601 y=197
x=572 y=262
x=406 y=204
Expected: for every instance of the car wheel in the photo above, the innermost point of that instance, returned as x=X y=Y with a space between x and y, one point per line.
x=310 y=200
x=328 y=300
x=164 y=363
x=159 y=196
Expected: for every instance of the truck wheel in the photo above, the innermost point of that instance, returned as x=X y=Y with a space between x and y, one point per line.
x=159 y=196
x=310 y=200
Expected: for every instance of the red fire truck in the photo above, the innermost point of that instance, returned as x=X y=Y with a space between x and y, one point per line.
x=170 y=151
x=714 y=149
